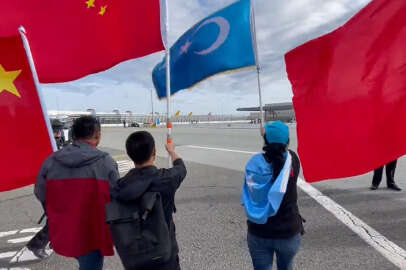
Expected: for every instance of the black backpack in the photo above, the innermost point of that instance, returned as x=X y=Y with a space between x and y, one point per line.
x=139 y=230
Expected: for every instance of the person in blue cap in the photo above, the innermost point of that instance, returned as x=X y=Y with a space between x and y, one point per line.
x=270 y=199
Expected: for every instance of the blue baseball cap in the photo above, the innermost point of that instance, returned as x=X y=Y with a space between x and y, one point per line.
x=277 y=132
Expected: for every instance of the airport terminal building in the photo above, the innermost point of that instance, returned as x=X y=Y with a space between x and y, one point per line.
x=275 y=111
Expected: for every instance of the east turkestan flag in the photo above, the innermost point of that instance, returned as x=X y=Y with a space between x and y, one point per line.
x=350 y=94
x=24 y=138
x=219 y=43
x=70 y=39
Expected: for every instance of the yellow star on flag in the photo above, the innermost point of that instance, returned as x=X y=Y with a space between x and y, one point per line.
x=90 y=3
x=102 y=10
x=7 y=81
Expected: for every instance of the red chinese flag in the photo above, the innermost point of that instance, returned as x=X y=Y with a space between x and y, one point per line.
x=24 y=137
x=70 y=39
x=350 y=94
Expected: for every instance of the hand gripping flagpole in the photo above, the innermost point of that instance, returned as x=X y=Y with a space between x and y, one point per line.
x=37 y=86
x=254 y=40
x=168 y=82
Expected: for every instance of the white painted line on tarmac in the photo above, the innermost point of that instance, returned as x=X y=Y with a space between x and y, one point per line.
x=124 y=166
x=20 y=240
x=15 y=268
x=31 y=230
x=4 y=234
x=25 y=255
x=219 y=149
x=9 y=254
x=387 y=248
x=122 y=162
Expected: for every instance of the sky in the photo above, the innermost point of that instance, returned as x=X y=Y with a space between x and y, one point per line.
x=281 y=25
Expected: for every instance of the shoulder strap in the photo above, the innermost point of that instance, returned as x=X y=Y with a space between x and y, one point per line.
x=295 y=162
x=148 y=202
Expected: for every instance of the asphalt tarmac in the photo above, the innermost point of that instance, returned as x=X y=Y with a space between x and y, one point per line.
x=211 y=226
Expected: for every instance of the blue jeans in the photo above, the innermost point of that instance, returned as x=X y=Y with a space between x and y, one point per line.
x=91 y=261
x=262 y=251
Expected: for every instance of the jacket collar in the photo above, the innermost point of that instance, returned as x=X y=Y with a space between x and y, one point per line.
x=81 y=144
x=144 y=170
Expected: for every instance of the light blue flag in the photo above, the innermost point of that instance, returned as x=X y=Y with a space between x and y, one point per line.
x=219 y=43
x=260 y=196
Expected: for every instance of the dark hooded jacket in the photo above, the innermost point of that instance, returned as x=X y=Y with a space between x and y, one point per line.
x=74 y=185
x=165 y=181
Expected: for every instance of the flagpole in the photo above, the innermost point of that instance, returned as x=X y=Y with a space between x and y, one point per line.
x=168 y=82
x=38 y=86
x=254 y=38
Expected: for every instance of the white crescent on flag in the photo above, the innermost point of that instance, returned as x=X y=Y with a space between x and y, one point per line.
x=224 y=26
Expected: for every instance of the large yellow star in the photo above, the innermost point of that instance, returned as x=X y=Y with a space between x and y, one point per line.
x=90 y=3
x=102 y=10
x=7 y=81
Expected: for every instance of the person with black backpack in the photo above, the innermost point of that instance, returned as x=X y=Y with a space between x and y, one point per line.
x=143 y=202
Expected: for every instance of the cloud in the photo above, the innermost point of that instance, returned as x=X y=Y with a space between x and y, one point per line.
x=281 y=26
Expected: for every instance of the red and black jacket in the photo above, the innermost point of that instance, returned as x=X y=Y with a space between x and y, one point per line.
x=74 y=185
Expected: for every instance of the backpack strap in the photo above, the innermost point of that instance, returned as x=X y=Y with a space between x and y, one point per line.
x=148 y=202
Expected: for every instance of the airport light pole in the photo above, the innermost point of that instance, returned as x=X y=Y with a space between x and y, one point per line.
x=152 y=107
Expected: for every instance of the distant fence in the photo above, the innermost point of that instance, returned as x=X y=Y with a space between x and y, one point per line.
x=112 y=119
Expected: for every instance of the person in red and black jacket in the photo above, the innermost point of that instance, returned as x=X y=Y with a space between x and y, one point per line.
x=74 y=186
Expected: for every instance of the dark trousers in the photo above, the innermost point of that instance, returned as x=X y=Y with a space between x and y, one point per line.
x=40 y=240
x=390 y=174
x=92 y=261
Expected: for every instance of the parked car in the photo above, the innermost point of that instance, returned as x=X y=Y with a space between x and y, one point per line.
x=134 y=124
